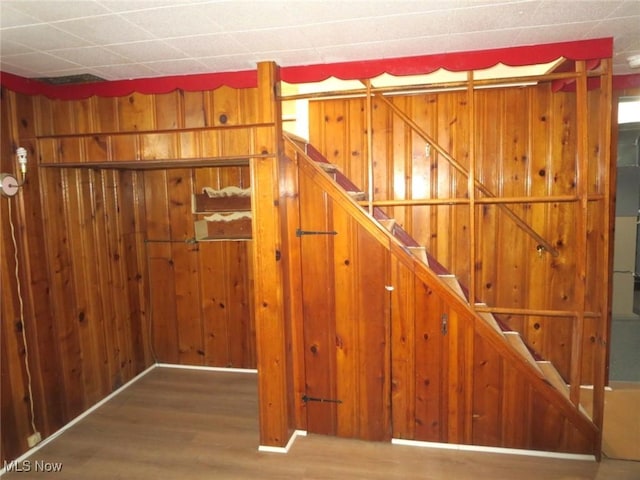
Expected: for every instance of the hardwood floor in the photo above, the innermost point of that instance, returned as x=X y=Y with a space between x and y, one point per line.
x=176 y=423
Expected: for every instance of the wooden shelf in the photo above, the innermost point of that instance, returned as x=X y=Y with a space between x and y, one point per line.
x=230 y=199
x=232 y=226
x=227 y=214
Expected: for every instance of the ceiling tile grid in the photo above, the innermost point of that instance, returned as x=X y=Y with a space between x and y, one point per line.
x=118 y=39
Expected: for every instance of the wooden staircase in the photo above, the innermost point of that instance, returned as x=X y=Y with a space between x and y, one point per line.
x=542 y=368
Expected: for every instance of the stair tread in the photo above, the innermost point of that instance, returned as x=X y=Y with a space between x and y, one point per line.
x=388 y=223
x=452 y=281
x=489 y=318
x=357 y=195
x=327 y=167
x=516 y=341
x=553 y=376
x=420 y=253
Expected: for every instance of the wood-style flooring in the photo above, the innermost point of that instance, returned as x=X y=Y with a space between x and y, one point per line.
x=189 y=424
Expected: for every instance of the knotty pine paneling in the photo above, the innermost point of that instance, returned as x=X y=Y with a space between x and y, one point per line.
x=106 y=272
x=346 y=315
x=460 y=384
x=525 y=145
x=200 y=293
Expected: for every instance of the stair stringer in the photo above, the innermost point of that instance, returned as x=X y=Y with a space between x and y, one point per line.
x=564 y=428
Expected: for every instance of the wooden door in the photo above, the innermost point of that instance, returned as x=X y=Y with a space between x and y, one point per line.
x=346 y=321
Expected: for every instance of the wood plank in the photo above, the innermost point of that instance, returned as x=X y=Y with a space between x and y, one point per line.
x=373 y=335
x=163 y=315
x=345 y=291
x=117 y=291
x=214 y=302
x=94 y=385
x=515 y=411
x=431 y=367
x=488 y=394
x=319 y=309
x=403 y=341
x=185 y=258
x=240 y=324
x=53 y=184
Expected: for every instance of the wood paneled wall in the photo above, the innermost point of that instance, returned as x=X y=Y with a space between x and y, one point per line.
x=526 y=142
x=375 y=350
x=110 y=277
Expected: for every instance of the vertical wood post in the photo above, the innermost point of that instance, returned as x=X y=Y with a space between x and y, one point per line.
x=609 y=177
x=273 y=383
x=582 y=177
x=369 y=146
x=471 y=187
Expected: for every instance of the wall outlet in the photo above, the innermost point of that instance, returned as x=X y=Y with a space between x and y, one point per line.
x=33 y=440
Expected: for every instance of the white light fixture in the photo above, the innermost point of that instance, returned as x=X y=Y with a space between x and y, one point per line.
x=634 y=61
x=9 y=183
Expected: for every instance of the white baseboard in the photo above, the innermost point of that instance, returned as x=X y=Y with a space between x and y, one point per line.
x=285 y=449
x=477 y=448
x=208 y=369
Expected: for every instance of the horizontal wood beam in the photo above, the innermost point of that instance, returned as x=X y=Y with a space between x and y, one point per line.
x=161 y=164
x=155 y=132
x=534 y=312
x=430 y=87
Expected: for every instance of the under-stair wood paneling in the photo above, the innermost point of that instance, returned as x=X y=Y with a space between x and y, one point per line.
x=346 y=320
x=454 y=378
x=525 y=145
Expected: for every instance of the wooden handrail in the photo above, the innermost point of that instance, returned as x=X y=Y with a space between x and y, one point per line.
x=534 y=312
x=479 y=185
x=466 y=201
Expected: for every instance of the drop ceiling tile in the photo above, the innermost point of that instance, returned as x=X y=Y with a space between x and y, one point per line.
x=410 y=25
x=184 y=66
x=38 y=62
x=120 y=6
x=42 y=37
x=483 y=18
x=208 y=45
x=552 y=33
x=410 y=47
x=105 y=30
x=373 y=30
x=8 y=48
x=313 y=12
x=147 y=51
x=11 y=17
x=90 y=56
x=626 y=9
x=179 y=21
x=250 y=15
x=230 y=63
x=563 y=11
x=118 y=72
x=487 y=40
x=616 y=25
x=17 y=70
x=283 y=58
x=52 y=11
x=274 y=39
